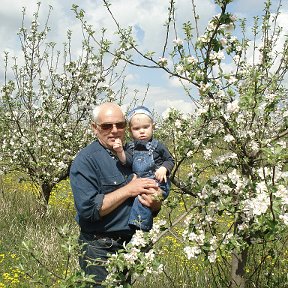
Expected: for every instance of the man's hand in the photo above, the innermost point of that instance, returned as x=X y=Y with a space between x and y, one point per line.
x=138 y=186
x=152 y=200
x=134 y=188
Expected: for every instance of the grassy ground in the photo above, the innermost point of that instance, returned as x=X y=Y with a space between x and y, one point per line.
x=39 y=250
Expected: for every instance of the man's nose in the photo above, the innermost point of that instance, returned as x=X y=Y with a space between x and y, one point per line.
x=114 y=128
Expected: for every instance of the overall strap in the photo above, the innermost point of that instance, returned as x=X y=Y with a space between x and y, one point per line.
x=151 y=146
x=131 y=146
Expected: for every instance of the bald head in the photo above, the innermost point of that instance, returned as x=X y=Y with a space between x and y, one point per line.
x=106 y=108
x=108 y=124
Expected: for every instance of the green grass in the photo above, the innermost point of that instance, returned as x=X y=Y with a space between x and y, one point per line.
x=31 y=238
x=36 y=252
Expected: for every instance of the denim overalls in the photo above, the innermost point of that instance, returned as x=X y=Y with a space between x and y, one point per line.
x=144 y=166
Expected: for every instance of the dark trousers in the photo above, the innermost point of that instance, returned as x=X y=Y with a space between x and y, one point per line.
x=94 y=255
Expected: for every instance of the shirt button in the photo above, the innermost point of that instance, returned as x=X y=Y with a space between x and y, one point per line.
x=115 y=182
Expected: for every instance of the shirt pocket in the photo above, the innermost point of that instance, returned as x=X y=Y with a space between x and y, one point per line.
x=111 y=183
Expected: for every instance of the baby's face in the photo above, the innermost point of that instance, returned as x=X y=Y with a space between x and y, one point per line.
x=141 y=127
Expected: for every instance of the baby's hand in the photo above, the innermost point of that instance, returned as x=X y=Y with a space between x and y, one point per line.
x=117 y=145
x=160 y=174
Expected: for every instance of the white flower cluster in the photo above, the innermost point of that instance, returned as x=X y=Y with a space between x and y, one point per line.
x=256 y=206
x=192 y=251
x=196 y=241
x=216 y=56
x=204 y=87
x=284 y=218
x=138 y=257
x=163 y=61
x=178 y=42
x=207 y=153
x=282 y=195
x=191 y=60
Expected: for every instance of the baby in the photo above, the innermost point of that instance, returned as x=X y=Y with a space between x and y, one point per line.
x=148 y=157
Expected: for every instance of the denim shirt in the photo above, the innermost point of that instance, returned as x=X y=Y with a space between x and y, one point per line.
x=94 y=173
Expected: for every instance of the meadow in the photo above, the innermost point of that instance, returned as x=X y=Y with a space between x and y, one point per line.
x=38 y=247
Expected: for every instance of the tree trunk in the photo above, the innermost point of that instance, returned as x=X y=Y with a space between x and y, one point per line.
x=46 y=192
x=238 y=269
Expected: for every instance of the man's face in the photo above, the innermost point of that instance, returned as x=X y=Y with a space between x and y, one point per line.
x=106 y=133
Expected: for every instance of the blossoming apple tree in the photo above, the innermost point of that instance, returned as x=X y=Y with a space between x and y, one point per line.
x=45 y=101
x=239 y=131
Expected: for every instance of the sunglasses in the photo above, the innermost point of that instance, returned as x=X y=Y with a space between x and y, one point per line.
x=109 y=126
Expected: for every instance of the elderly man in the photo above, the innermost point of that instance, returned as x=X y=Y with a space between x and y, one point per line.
x=104 y=191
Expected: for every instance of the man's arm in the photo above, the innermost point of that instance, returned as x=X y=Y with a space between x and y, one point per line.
x=134 y=188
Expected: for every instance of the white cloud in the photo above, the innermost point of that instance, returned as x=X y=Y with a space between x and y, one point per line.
x=146 y=16
x=181 y=105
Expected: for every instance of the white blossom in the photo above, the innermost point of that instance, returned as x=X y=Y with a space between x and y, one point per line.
x=150 y=255
x=233 y=18
x=236 y=58
x=203 y=39
x=234 y=176
x=200 y=111
x=225 y=188
x=238 y=48
x=227 y=237
x=282 y=144
x=261 y=187
x=228 y=138
x=62 y=165
x=233 y=107
x=270 y=97
x=196 y=142
x=179 y=69
x=232 y=79
x=163 y=61
x=191 y=60
x=212 y=257
x=138 y=239
x=204 y=87
x=257 y=206
x=190 y=153
x=284 y=218
x=207 y=153
x=156 y=228
x=217 y=55
x=254 y=146
x=223 y=41
x=192 y=252
x=282 y=193
x=226 y=157
x=199 y=237
x=178 y=123
x=243 y=226
x=211 y=26
x=132 y=256
x=209 y=219
x=178 y=42
x=228 y=27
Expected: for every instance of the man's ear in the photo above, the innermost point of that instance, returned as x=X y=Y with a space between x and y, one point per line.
x=94 y=128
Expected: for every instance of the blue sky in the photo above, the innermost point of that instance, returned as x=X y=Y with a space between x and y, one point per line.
x=146 y=16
